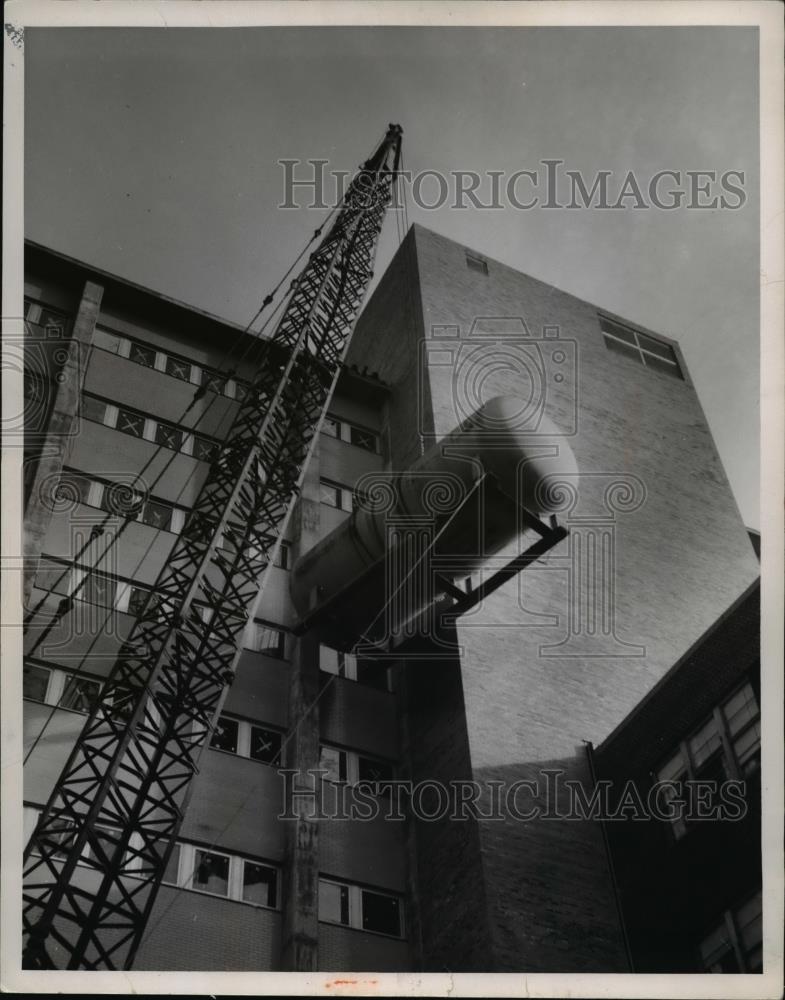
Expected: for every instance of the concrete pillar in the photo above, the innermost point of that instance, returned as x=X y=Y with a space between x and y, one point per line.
x=67 y=388
x=300 y=944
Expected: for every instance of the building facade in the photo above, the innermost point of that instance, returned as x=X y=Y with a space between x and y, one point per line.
x=552 y=660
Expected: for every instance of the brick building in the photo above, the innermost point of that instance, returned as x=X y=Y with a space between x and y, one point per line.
x=555 y=658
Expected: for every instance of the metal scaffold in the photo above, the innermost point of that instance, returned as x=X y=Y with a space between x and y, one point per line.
x=96 y=859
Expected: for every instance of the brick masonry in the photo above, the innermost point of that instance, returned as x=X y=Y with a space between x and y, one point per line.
x=682 y=556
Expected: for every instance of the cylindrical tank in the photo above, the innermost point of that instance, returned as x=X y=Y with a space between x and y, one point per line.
x=491 y=443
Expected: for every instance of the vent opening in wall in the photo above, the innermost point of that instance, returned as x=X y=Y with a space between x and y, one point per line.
x=476 y=263
x=640 y=347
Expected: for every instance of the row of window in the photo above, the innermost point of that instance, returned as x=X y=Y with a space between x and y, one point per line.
x=54 y=320
x=735 y=945
x=108 y=591
x=140 y=425
x=170 y=364
x=262 y=743
x=368 y=672
x=336 y=495
x=59 y=687
x=640 y=347
x=351 y=433
x=120 y=499
x=726 y=745
x=253 y=881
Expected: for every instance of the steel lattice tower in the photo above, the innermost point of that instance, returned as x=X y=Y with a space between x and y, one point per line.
x=95 y=861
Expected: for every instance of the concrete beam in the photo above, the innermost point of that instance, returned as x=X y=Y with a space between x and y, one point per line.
x=67 y=389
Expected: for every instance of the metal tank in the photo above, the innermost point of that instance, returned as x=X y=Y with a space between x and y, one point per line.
x=344 y=572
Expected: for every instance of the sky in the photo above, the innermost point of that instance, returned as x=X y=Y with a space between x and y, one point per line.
x=154 y=154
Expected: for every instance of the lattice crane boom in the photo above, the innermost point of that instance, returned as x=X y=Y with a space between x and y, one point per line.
x=97 y=856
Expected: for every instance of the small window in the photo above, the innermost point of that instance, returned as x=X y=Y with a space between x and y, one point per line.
x=640 y=347
x=118 y=498
x=79 y=694
x=157 y=515
x=330 y=495
x=35 y=682
x=168 y=436
x=130 y=423
x=211 y=872
x=364 y=439
x=259 y=884
x=107 y=341
x=93 y=409
x=333 y=902
x=265 y=639
x=333 y=761
x=332 y=427
x=381 y=913
x=142 y=355
x=265 y=745
x=137 y=600
x=282 y=559
x=178 y=368
x=475 y=263
x=204 y=449
x=171 y=873
x=98 y=588
x=735 y=944
x=73 y=488
x=225 y=735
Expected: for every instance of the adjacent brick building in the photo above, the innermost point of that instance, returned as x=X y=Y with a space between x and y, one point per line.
x=554 y=659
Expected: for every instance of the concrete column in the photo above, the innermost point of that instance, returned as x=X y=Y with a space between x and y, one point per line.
x=300 y=944
x=67 y=388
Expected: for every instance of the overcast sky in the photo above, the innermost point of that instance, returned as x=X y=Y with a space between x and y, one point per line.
x=153 y=153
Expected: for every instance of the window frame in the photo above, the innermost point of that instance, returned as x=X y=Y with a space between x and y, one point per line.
x=669 y=364
x=355 y=907
x=726 y=750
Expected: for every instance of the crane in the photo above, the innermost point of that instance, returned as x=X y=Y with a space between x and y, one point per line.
x=94 y=863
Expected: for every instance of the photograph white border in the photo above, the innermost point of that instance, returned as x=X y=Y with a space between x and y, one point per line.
x=225 y=13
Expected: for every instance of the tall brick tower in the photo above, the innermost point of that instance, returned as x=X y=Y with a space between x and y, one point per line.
x=555 y=658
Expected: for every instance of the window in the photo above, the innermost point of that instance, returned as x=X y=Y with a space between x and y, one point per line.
x=129 y=422
x=120 y=499
x=381 y=913
x=139 y=425
x=107 y=340
x=203 y=449
x=354 y=768
x=225 y=735
x=265 y=745
x=35 y=682
x=259 y=884
x=363 y=909
x=735 y=944
x=142 y=355
x=282 y=559
x=725 y=745
x=248 y=739
x=172 y=866
x=333 y=902
x=475 y=263
x=333 y=761
x=178 y=368
x=97 y=588
x=368 y=672
x=335 y=495
x=93 y=409
x=80 y=694
x=54 y=686
x=220 y=874
x=343 y=430
x=640 y=347
x=168 y=436
x=211 y=872
x=261 y=637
